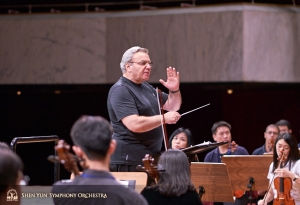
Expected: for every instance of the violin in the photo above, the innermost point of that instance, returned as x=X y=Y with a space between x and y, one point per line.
x=65 y=157
x=283 y=186
x=233 y=146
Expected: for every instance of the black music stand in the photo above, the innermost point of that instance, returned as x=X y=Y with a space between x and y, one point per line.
x=195 y=149
x=248 y=171
x=34 y=139
x=214 y=179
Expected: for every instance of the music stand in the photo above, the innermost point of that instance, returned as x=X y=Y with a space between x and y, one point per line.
x=195 y=149
x=34 y=139
x=242 y=167
x=214 y=178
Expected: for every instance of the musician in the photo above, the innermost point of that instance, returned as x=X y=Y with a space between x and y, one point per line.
x=285 y=144
x=182 y=138
x=11 y=175
x=285 y=126
x=134 y=111
x=220 y=133
x=174 y=185
x=94 y=145
x=270 y=135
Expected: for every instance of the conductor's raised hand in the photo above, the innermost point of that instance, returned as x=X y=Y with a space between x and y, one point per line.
x=171 y=117
x=172 y=79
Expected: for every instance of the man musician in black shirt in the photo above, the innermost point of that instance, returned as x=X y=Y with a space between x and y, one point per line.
x=134 y=111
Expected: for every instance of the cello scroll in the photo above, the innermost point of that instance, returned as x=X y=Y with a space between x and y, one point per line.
x=149 y=167
x=65 y=157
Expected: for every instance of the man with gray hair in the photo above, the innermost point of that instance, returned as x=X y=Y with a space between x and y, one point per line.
x=134 y=112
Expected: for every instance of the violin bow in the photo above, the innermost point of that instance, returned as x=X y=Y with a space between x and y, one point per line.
x=161 y=112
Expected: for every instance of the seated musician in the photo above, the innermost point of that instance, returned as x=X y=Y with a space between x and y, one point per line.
x=285 y=147
x=94 y=145
x=270 y=135
x=182 y=138
x=11 y=175
x=220 y=133
x=174 y=185
x=285 y=126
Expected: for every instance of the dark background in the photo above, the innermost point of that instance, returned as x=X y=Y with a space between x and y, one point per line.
x=38 y=111
x=45 y=6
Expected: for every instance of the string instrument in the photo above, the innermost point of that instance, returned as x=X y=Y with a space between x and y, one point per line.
x=271 y=147
x=149 y=167
x=233 y=146
x=65 y=157
x=283 y=186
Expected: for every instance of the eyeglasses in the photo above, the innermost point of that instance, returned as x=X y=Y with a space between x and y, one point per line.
x=143 y=63
x=274 y=133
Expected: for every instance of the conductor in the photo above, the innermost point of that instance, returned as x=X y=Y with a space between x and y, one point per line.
x=134 y=111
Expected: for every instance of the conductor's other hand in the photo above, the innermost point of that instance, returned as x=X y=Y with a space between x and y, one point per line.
x=171 y=117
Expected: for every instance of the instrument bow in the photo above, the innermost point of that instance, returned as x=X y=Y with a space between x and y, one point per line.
x=161 y=112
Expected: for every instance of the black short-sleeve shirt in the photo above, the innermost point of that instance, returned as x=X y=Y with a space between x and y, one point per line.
x=127 y=98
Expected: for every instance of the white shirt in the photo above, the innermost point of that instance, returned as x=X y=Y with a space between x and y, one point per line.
x=295 y=191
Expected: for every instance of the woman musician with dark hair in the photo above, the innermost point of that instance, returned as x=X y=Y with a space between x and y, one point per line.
x=182 y=138
x=174 y=185
x=285 y=154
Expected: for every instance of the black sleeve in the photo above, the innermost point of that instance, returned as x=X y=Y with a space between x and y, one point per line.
x=122 y=102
